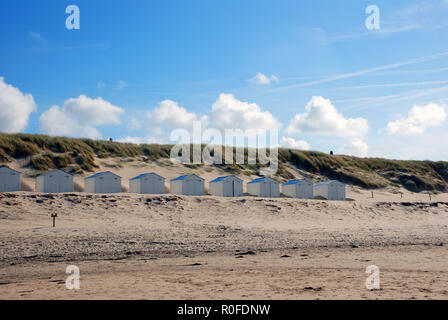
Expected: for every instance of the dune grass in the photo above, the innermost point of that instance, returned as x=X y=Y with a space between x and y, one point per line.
x=371 y=172
x=78 y=155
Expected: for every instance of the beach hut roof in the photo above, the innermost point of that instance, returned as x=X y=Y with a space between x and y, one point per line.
x=3 y=166
x=256 y=180
x=223 y=178
x=180 y=178
x=218 y=179
x=185 y=176
x=295 y=181
x=140 y=176
x=261 y=179
x=102 y=173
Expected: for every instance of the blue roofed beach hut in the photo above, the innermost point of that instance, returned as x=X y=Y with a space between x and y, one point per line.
x=331 y=190
x=300 y=188
x=103 y=182
x=189 y=185
x=264 y=187
x=227 y=186
x=147 y=183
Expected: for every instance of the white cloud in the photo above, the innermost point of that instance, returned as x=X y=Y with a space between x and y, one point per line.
x=134 y=124
x=274 y=78
x=101 y=84
x=227 y=113
x=418 y=119
x=170 y=115
x=56 y=121
x=356 y=147
x=15 y=108
x=260 y=78
x=321 y=117
x=139 y=140
x=78 y=117
x=231 y=113
x=128 y=139
x=93 y=111
x=288 y=142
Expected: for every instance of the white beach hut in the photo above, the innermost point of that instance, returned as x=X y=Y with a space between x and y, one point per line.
x=301 y=188
x=332 y=190
x=228 y=186
x=189 y=185
x=264 y=187
x=147 y=183
x=103 y=182
x=9 y=179
x=54 y=181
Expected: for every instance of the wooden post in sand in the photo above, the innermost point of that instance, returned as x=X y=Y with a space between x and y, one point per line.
x=54 y=215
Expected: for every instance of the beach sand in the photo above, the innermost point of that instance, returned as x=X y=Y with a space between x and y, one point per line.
x=130 y=246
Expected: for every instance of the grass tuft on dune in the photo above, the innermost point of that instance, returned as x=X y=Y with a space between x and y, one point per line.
x=78 y=156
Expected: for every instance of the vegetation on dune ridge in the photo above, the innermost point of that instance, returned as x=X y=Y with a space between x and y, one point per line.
x=78 y=155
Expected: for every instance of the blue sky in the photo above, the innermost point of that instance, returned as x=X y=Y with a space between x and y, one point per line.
x=159 y=65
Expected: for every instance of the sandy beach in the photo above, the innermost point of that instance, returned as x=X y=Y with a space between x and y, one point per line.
x=223 y=150
x=130 y=246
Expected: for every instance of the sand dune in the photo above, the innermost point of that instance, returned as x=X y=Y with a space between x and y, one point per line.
x=168 y=170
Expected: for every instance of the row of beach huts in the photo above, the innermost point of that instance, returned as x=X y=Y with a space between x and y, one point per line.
x=57 y=181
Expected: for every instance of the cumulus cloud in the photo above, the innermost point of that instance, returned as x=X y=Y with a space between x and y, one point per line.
x=321 y=117
x=227 y=112
x=356 y=147
x=288 y=142
x=93 y=111
x=134 y=124
x=56 y=121
x=79 y=117
x=128 y=139
x=139 y=140
x=419 y=118
x=260 y=78
x=168 y=114
x=231 y=113
x=15 y=108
